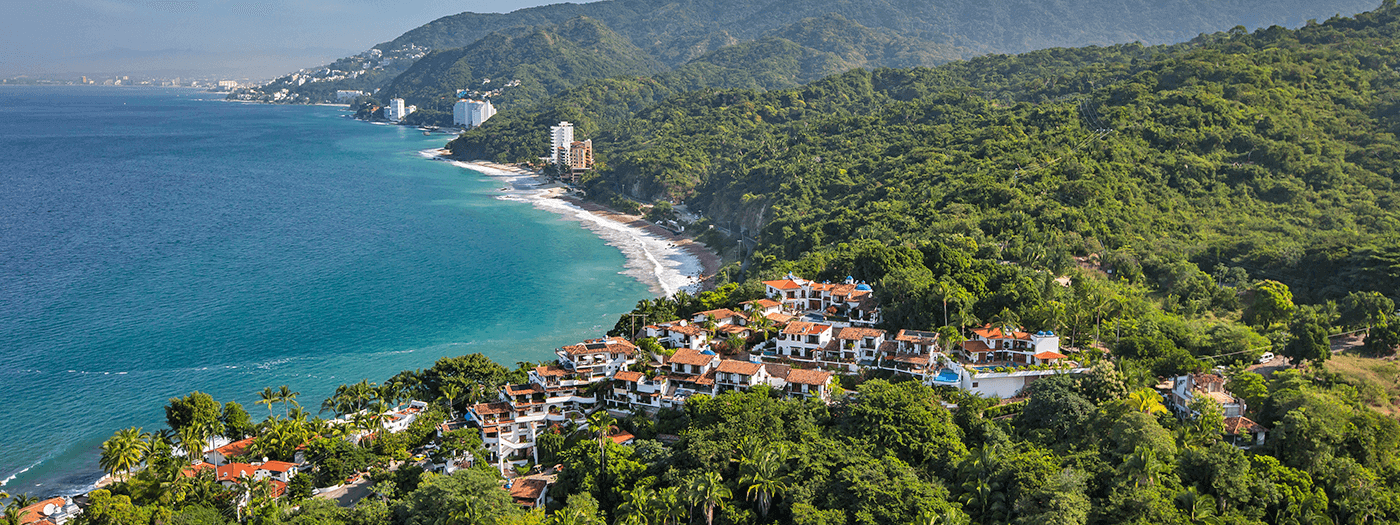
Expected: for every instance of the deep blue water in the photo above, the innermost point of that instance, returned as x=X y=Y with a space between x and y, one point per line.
x=157 y=242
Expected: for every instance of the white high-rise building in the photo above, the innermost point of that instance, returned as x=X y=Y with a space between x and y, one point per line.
x=472 y=113
x=562 y=137
x=396 y=111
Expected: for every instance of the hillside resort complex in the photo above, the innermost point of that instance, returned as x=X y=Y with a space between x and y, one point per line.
x=470 y=113
x=573 y=157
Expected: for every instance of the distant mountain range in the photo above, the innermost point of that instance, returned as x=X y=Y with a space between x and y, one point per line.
x=744 y=43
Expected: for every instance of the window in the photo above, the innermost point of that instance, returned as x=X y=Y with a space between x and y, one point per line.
x=974 y=384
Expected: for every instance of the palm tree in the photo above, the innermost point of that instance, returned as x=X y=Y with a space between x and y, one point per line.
x=286 y=395
x=640 y=507
x=601 y=425
x=707 y=491
x=1198 y=506
x=194 y=439
x=123 y=452
x=267 y=397
x=451 y=392
x=762 y=476
x=671 y=506
x=1146 y=401
x=1143 y=466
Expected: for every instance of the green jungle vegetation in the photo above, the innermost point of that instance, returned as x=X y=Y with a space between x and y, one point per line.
x=921 y=33
x=1165 y=209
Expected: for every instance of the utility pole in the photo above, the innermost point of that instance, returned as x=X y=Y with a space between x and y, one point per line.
x=633 y=316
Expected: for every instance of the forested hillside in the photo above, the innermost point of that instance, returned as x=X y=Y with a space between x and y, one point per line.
x=911 y=33
x=543 y=60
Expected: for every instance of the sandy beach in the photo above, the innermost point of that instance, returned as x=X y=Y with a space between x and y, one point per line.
x=663 y=261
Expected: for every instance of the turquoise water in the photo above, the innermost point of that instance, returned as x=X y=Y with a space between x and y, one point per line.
x=157 y=242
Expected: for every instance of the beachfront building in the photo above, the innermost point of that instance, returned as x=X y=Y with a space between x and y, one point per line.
x=561 y=138
x=396 y=110
x=348 y=95
x=227 y=453
x=849 y=303
x=472 y=113
x=398 y=420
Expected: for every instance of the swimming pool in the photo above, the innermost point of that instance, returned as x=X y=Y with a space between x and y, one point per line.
x=947 y=376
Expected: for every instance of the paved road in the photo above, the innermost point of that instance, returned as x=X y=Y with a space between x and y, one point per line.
x=348 y=495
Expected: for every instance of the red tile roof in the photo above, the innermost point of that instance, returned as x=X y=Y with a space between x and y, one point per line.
x=551 y=370
x=194 y=470
x=996 y=332
x=975 y=347
x=235 y=449
x=485 y=409
x=524 y=390
x=916 y=336
x=1048 y=355
x=687 y=356
x=853 y=333
x=1233 y=425
x=777 y=370
x=34 y=513
x=785 y=284
x=622 y=436
x=628 y=376
x=277 y=466
x=809 y=377
x=233 y=471
x=721 y=313
x=780 y=319
x=278 y=488
x=805 y=328
x=527 y=491
x=732 y=366
x=763 y=303
x=616 y=345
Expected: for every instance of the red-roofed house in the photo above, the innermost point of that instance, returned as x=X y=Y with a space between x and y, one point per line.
x=1243 y=432
x=226 y=453
x=1011 y=345
x=678 y=334
x=528 y=492
x=635 y=390
x=230 y=473
x=739 y=375
x=801 y=340
x=597 y=359
x=278 y=470
x=810 y=384
x=54 y=510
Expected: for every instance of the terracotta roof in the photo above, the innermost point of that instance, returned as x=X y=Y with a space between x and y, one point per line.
x=721 y=313
x=706 y=380
x=277 y=466
x=233 y=471
x=853 y=333
x=527 y=491
x=1233 y=425
x=975 y=347
x=485 y=409
x=763 y=303
x=616 y=345
x=732 y=366
x=622 y=436
x=809 y=377
x=278 y=488
x=778 y=371
x=734 y=329
x=996 y=332
x=551 y=370
x=780 y=319
x=805 y=328
x=687 y=356
x=911 y=359
x=688 y=329
x=888 y=347
x=524 y=390
x=628 y=376
x=916 y=336
x=34 y=513
x=785 y=284
x=1049 y=355
x=235 y=449
x=194 y=470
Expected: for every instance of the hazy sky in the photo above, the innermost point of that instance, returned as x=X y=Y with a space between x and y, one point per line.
x=257 y=38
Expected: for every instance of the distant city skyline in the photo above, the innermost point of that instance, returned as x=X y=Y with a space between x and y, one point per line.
x=230 y=38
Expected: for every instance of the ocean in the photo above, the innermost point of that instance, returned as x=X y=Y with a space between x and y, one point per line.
x=155 y=242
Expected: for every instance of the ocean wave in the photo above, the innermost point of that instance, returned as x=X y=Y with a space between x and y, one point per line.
x=12 y=477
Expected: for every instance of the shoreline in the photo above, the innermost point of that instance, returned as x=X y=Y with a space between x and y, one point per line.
x=663 y=261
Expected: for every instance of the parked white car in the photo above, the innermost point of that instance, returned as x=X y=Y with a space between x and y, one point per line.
x=1268 y=356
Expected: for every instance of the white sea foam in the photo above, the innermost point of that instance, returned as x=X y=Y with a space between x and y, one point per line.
x=12 y=477
x=651 y=259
